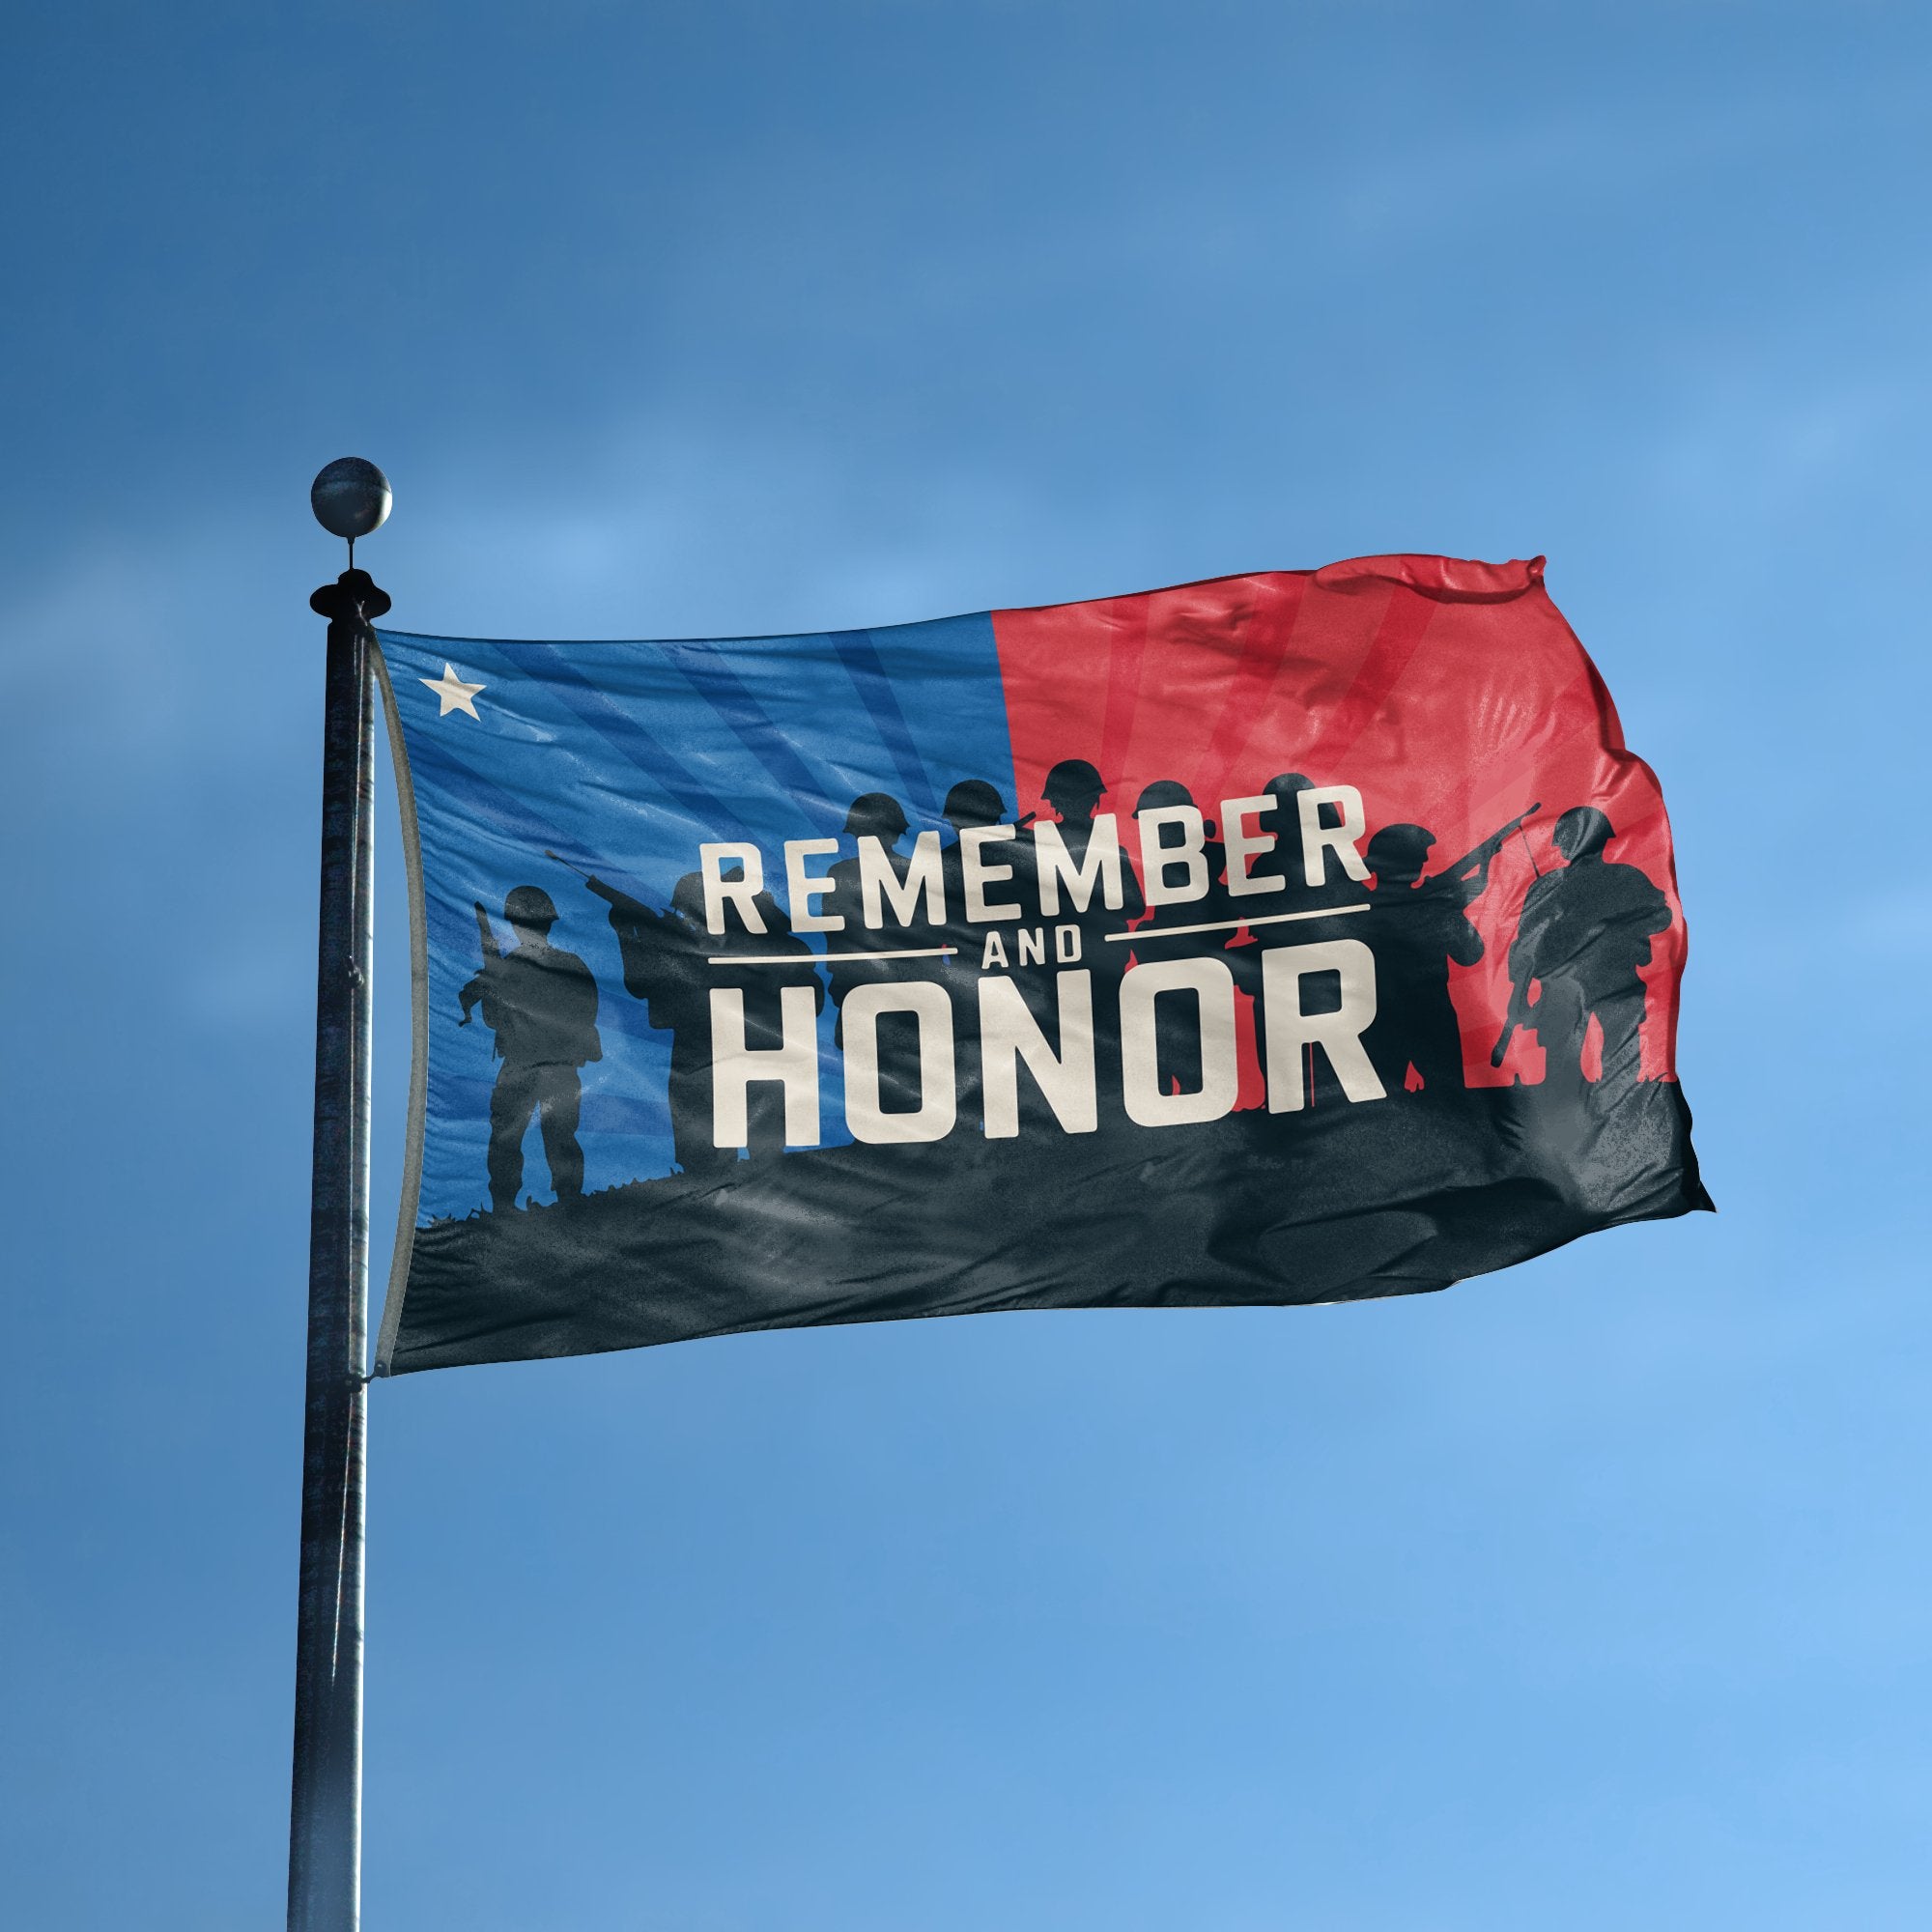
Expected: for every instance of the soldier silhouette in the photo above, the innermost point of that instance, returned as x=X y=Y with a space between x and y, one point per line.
x=664 y=956
x=1177 y=1038
x=1586 y=929
x=1284 y=860
x=1074 y=788
x=672 y=961
x=875 y=814
x=771 y=961
x=971 y=804
x=1417 y=927
x=541 y=1003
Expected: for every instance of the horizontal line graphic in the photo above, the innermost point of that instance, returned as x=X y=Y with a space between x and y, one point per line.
x=798 y=959
x=1114 y=938
x=1231 y=924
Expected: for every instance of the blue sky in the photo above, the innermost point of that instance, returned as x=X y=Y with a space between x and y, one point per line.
x=1591 y=1595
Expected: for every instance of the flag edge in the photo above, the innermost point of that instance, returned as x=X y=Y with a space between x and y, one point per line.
x=410 y=1193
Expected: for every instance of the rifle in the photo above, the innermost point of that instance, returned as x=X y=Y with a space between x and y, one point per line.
x=633 y=912
x=1520 y=1014
x=486 y=932
x=1481 y=855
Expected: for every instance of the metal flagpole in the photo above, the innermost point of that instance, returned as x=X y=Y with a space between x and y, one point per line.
x=350 y=497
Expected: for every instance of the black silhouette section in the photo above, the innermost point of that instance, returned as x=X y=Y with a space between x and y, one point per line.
x=1176 y=1016
x=771 y=961
x=1585 y=933
x=1286 y=861
x=665 y=957
x=541 y=1005
x=1074 y=789
x=971 y=804
x=876 y=815
x=1315 y=1205
x=1418 y=927
x=1256 y=1208
x=672 y=963
x=1283 y=860
x=1586 y=929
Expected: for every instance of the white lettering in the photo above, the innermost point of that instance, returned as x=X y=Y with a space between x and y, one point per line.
x=1033 y=945
x=1244 y=845
x=803 y=886
x=1066 y=944
x=742 y=893
x=734 y=1065
x=1008 y=1034
x=878 y=878
x=1100 y=866
x=993 y=952
x=1158 y=858
x=1317 y=840
x=1339 y=1034
x=1212 y=986
x=938 y=1094
x=979 y=875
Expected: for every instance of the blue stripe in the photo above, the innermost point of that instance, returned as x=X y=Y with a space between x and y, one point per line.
x=618 y=728
x=860 y=656
x=721 y=689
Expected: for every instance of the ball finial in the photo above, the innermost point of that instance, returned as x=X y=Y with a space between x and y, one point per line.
x=349 y=497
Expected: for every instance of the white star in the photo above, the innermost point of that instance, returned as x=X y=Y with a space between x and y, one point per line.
x=451 y=692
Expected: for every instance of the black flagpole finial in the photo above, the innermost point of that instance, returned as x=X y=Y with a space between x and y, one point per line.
x=349 y=497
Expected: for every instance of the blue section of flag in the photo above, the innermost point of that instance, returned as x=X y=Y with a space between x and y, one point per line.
x=622 y=758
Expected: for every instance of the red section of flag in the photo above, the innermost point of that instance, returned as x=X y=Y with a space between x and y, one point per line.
x=1451 y=694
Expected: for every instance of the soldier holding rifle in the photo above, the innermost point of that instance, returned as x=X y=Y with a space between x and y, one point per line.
x=1585 y=934
x=671 y=963
x=541 y=1003
x=666 y=956
x=1416 y=928
x=644 y=937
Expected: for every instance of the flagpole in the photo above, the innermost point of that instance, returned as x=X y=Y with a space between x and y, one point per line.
x=350 y=498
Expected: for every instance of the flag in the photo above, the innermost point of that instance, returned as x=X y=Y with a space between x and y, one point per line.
x=1295 y=937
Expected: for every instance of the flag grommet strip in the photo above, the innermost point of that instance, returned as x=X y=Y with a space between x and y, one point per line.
x=413 y=1142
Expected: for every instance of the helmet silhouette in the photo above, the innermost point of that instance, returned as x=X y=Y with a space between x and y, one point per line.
x=878 y=813
x=1072 y=781
x=1581 y=832
x=1398 y=853
x=1163 y=794
x=974 y=802
x=529 y=905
